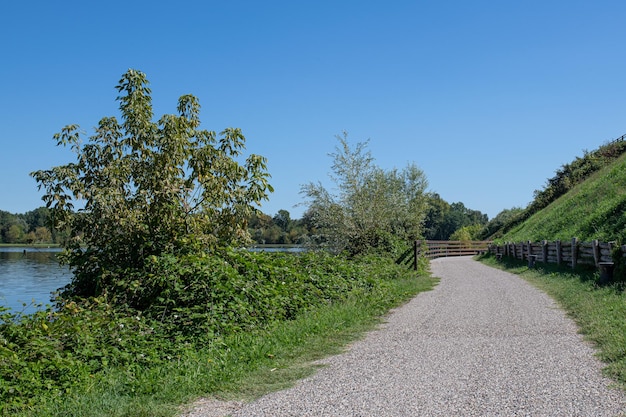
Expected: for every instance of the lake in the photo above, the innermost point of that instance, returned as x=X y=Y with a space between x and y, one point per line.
x=29 y=275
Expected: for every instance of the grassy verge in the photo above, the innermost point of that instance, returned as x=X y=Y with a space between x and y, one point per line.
x=240 y=366
x=600 y=312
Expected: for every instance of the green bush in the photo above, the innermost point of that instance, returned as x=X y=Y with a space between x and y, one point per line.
x=149 y=318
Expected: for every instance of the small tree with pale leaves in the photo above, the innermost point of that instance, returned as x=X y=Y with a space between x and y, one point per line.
x=372 y=207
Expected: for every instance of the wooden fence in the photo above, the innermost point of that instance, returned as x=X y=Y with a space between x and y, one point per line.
x=432 y=249
x=572 y=253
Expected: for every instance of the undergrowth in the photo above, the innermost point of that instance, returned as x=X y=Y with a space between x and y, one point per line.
x=252 y=314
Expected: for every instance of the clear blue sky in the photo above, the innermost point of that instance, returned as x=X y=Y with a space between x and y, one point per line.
x=488 y=98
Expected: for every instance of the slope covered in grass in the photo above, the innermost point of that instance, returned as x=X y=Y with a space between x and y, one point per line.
x=594 y=209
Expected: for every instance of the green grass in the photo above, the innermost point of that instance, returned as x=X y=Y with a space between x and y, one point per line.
x=599 y=311
x=594 y=209
x=242 y=366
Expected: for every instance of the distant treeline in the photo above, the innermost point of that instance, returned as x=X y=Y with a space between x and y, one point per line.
x=443 y=221
x=30 y=228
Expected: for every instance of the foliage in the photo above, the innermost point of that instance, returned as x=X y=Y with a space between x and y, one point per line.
x=493 y=229
x=467 y=233
x=30 y=227
x=443 y=220
x=280 y=229
x=149 y=189
x=208 y=304
x=372 y=209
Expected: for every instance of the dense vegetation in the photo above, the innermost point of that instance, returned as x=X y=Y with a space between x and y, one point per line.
x=442 y=221
x=31 y=227
x=55 y=355
x=371 y=208
x=159 y=292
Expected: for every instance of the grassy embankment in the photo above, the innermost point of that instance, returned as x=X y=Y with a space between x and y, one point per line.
x=594 y=209
x=93 y=360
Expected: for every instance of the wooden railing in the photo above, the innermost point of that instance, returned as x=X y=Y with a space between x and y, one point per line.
x=432 y=249
x=572 y=253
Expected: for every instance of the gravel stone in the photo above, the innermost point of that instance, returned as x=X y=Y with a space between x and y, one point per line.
x=482 y=343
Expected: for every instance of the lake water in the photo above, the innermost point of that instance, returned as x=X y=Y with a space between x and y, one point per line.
x=29 y=276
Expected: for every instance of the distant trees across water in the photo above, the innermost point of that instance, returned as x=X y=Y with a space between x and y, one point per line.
x=28 y=228
x=443 y=220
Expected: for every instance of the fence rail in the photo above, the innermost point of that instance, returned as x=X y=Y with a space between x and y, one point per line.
x=571 y=252
x=432 y=249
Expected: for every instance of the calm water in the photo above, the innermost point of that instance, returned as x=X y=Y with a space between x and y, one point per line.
x=28 y=276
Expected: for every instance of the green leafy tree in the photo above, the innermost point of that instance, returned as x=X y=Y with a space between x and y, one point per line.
x=435 y=227
x=149 y=188
x=283 y=220
x=15 y=233
x=467 y=233
x=443 y=219
x=493 y=229
x=372 y=209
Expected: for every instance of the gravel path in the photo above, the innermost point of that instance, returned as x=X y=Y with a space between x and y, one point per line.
x=483 y=343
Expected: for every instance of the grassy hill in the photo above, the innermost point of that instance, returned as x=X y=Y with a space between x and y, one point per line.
x=593 y=209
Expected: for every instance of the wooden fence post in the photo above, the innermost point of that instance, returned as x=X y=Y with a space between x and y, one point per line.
x=544 y=250
x=574 y=252
x=596 y=251
x=558 y=252
x=416 y=246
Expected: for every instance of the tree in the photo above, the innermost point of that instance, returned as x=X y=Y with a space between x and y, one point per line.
x=494 y=228
x=443 y=219
x=283 y=220
x=149 y=188
x=467 y=233
x=42 y=234
x=436 y=214
x=14 y=234
x=372 y=207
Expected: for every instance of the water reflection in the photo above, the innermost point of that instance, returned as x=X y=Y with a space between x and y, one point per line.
x=29 y=276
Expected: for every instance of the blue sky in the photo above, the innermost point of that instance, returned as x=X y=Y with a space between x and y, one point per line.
x=488 y=98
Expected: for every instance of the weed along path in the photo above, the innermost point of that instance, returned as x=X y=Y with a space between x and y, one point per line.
x=482 y=343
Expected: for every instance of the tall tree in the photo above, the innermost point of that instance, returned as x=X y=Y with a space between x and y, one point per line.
x=283 y=220
x=149 y=187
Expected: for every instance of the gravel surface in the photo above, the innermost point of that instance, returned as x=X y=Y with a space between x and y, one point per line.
x=483 y=343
